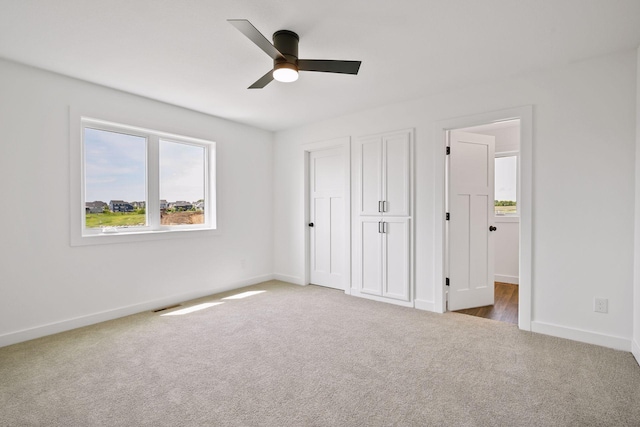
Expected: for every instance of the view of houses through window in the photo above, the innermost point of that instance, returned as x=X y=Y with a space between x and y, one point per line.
x=182 y=181
x=115 y=179
x=117 y=187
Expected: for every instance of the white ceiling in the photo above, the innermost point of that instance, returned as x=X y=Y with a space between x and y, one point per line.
x=185 y=53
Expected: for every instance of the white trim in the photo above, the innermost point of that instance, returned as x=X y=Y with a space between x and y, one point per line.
x=78 y=322
x=421 y=304
x=512 y=153
x=525 y=114
x=356 y=293
x=635 y=349
x=580 y=335
x=506 y=279
x=345 y=144
x=289 y=279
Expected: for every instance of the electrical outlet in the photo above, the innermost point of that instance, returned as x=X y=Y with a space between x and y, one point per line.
x=600 y=305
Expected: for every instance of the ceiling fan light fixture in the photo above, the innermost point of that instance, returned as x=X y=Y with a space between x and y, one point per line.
x=284 y=52
x=285 y=72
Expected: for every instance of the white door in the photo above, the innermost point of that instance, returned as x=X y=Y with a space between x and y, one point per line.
x=396 y=178
x=370 y=158
x=370 y=251
x=327 y=217
x=396 y=253
x=385 y=254
x=471 y=205
x=385 y=175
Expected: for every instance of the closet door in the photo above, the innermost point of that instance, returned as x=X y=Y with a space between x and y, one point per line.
x=382 y=257
x=395 y=258
x=370 y=179
x=385 y=253
x=396 y=174
x=371 y=255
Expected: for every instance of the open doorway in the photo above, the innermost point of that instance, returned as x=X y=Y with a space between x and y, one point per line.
x=503 y=221
x=441 y=244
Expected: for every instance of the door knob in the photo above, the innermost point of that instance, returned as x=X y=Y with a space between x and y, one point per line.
x=310 y=224
x=492 y=228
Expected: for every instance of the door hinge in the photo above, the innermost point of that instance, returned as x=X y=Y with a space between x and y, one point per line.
x=448 y=150
x=446 y=281
x=447 y=216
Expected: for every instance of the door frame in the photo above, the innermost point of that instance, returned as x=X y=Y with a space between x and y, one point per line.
x=525 y=114
x=345 y=144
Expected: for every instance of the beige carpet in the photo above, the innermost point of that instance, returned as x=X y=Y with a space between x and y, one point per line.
x=310 y=356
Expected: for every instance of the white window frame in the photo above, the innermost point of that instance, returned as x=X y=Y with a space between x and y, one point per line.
x=80 y=235
x=515 y=154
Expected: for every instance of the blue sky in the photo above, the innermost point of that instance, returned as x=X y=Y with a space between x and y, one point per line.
x=181 y=172
x=115 y=168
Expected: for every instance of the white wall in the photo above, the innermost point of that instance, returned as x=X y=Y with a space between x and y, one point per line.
x=506 y=253
x=507 y=138
x=636 y=285
x=45 y=284
x=583 y=162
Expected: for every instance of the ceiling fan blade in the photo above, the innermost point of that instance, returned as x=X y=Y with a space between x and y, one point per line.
x=256 y=36
x=263 y=81
x=329 y=66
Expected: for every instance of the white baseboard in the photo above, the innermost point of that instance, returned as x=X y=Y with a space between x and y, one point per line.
x=248 y=282
x=421 y=304
x=635 y=349
x=588 y=337
x=514 y=280
x=78 y=322
x=357 y=293
x=289 y=279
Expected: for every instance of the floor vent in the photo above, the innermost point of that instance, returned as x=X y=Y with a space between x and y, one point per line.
x=166 y=308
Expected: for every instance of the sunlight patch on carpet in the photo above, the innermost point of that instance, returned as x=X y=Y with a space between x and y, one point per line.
x=244 y=295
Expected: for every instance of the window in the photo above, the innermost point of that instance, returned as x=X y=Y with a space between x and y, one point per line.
x=506 y=184
x=140 y=181
x=115 y=179
x=182 y=179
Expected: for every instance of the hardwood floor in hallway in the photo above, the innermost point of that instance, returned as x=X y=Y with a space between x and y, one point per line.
x=505 y=307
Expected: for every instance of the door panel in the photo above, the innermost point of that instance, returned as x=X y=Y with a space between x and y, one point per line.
x=396 y=175
x=459 y=241
x=396 y=251
x=370 y=176
x=337 y=236
x=320 y=256
x=328 y=169
x=471 y=189
x=371 y=253
x=478 y=241
x=326 y=212
x=472 y=158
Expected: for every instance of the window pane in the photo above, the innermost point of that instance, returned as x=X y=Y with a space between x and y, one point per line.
x=182 y=183
x=505 y=185
x=115 y=179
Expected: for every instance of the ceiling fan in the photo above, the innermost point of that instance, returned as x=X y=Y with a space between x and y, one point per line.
x=284 y=52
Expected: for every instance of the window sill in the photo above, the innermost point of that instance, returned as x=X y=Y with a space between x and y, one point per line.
x=140 y=236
